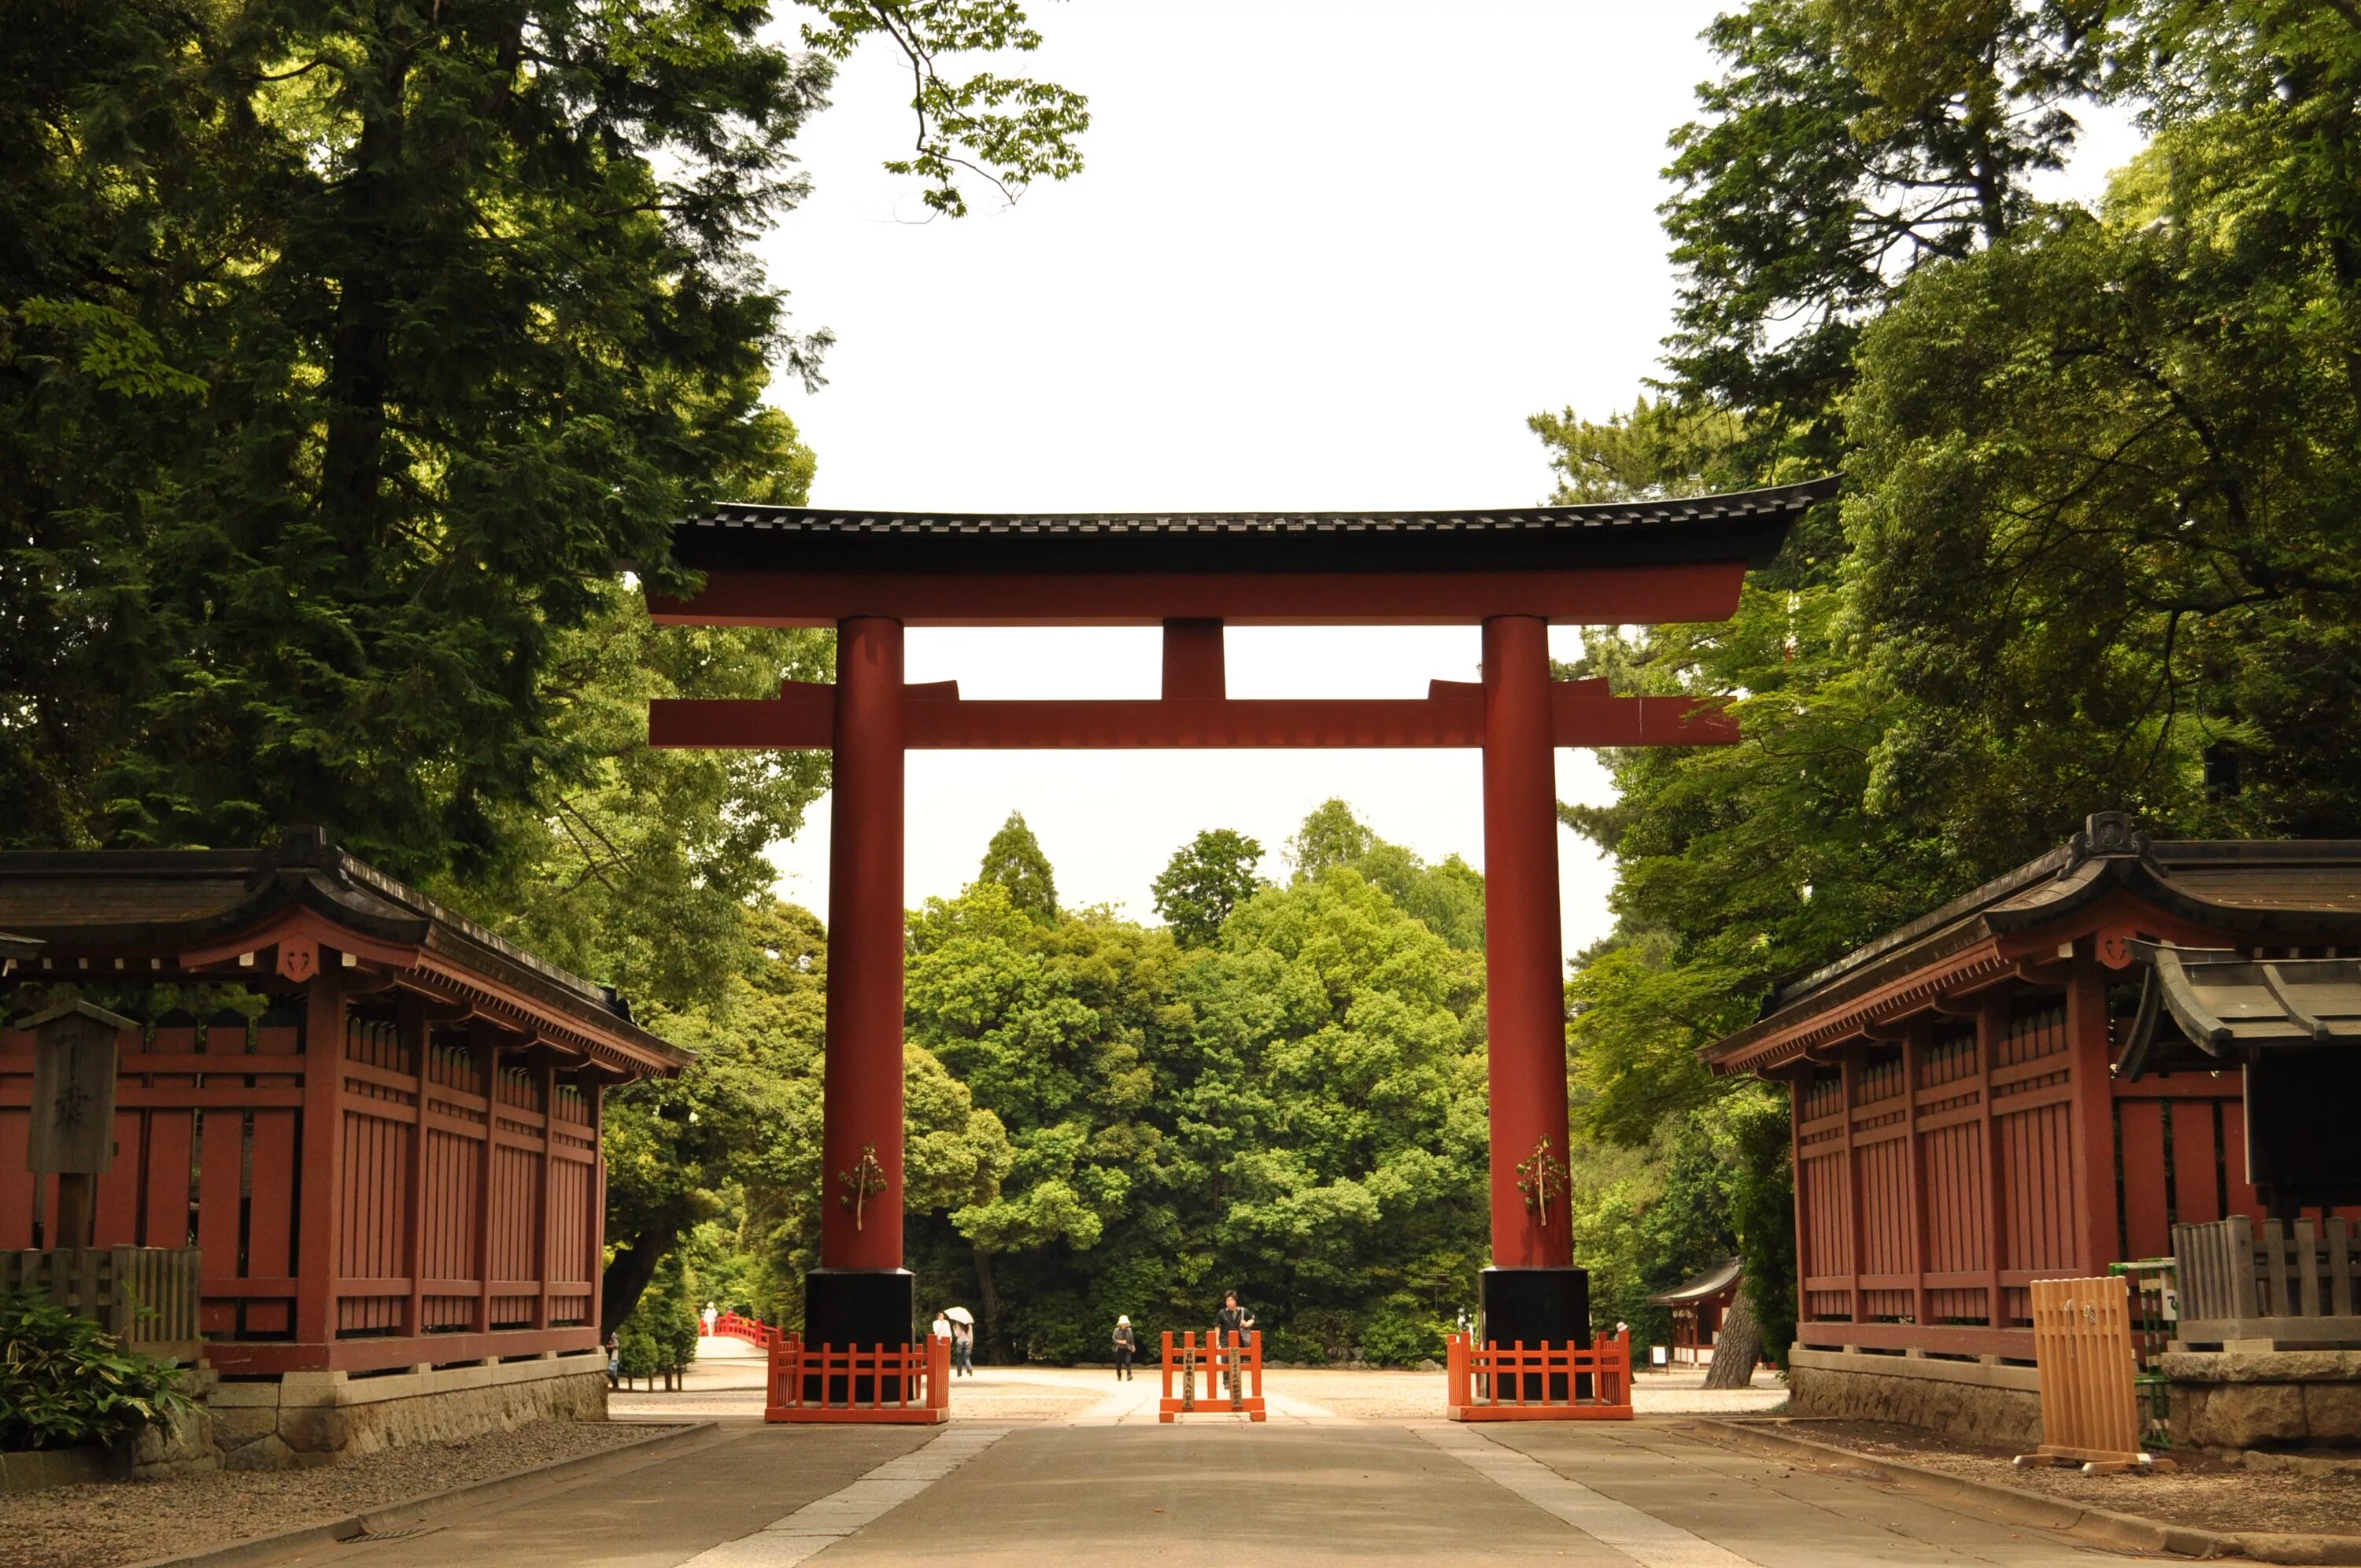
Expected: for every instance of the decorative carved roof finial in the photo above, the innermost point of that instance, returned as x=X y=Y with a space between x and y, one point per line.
x=2106 y=835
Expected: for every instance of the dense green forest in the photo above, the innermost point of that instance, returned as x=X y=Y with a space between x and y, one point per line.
x=354 y=359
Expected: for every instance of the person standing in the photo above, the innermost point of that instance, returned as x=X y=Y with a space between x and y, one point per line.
x=1231 y=1326
x=941 y=1327
x=963 y=1349
x=1126 y=1344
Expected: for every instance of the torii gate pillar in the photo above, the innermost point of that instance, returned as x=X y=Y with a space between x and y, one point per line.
x=1532 y=1292
x=860 y=1294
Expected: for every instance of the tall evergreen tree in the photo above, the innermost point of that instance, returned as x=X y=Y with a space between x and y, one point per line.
x=1014 y=859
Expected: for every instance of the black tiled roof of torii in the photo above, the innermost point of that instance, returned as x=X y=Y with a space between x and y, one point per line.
x=1775 y=501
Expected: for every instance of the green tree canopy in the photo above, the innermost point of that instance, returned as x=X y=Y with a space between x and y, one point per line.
x=1206 y=879
x=1014 y=859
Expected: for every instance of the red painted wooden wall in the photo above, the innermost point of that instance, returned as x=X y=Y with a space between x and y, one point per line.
x=466 y=1208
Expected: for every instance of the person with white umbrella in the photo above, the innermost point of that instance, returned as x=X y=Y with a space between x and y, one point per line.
x=962 y=1340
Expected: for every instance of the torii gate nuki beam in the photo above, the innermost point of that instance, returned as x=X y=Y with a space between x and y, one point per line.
x=871 y=575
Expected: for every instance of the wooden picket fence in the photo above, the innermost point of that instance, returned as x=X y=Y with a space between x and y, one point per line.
x=894 y=1385
x=147 y=1297
x=1547 y=1383
x=2082 y=1343
x=1232 y=1375
x=2292 y=1286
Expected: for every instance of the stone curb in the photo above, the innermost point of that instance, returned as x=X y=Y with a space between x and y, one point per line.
x=411 y=1512
x=2100 y=1527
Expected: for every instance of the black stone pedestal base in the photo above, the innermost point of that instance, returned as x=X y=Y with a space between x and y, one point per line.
x=1538 y=1307
x=863 y=1308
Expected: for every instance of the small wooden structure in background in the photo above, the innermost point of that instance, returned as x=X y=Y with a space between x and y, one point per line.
x=69 y=1133
x=395 y=1165
x=1960 y=1122
x=1231 y=1377
x=1697 y=1306
x=1555 y=1383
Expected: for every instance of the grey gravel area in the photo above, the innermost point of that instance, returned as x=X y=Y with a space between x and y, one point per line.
x=100 y=1527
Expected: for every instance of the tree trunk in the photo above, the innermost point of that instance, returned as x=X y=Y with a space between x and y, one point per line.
x=628 y=1278
x=989 y=1299
x=1739 y=1346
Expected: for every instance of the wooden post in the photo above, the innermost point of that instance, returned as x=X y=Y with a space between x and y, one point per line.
x=861 y=1088
x=486 y=1040
x=415 y=1036
x=547 y=1079
x=1914 y=1058
x=319 y=1221
x=1992 y=1029
x=1524 y=959
x=1799 y=1084
x=1849 y=1067
x=2093 y=1113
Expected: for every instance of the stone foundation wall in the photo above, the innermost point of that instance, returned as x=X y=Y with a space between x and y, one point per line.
x=1981 y=1401
x=2265 y=1399
x=316 y=1417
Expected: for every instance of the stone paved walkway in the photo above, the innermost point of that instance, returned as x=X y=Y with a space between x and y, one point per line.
x=1292 y=1491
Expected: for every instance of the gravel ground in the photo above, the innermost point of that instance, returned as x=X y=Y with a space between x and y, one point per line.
x=2200 y=1492
x=99 y=1527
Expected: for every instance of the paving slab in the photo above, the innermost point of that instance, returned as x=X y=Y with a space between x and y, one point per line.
x=655 y=1516
x=1216 y=1496
x=1776 y=1514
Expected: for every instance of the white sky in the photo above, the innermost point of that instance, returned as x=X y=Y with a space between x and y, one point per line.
x=1326 y=254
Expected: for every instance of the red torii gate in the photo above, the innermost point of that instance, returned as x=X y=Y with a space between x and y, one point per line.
x=870 y=574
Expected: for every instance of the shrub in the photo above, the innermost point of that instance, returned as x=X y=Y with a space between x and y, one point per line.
x=1401 y=1336
x=661 y=1333
x=65 y=1382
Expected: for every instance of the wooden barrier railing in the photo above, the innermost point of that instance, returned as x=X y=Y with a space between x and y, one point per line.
x=2082 y=1343
x=752 y=1331
x=896 y=1385
x=1206 y=1377
x=147 y=1297
x=1548 y=1383
x=2292 y=1286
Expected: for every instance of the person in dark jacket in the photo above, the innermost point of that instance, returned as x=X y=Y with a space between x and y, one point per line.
x=1231 y=1324
x=1127 y=1345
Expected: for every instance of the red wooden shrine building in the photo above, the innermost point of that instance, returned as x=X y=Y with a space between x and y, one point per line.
x=1965 y=1119
x=1512 y=573
x=396 y=1165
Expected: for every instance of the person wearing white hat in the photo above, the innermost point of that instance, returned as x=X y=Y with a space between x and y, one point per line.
x=1126 y=1344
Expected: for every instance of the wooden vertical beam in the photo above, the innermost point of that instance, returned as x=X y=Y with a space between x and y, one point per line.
x=1194 y=665
x=1914 y=1058
x=410 y=1021
x=1992 y=1029
x=2094 y=1124
x=546 y=1077
x=320 y=1217
x=595 y=1089
x=1849 y=1065
x=486 y=1041
x=1799 y=1083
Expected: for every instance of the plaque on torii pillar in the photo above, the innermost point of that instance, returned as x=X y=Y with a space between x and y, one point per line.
x=1512 y=573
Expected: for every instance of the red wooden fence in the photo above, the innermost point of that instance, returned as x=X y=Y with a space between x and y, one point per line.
x=1564 y=1383
x=899 y=1385
x=1212 y=1376
x=466 y=1210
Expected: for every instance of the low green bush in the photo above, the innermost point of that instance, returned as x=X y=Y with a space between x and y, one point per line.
x=67 y=1383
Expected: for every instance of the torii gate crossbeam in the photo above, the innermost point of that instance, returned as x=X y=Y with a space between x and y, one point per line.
x=871 y=575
